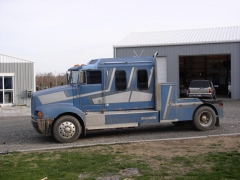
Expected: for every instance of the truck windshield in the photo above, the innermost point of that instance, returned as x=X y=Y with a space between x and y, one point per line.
x=73 y=77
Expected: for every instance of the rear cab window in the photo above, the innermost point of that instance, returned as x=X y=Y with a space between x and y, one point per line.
x=120 y=80
x=196 y=84
x=142 y=80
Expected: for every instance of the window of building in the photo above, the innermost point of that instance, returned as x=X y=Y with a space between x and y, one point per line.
x=6 y=89
x=1 y=82
x=1 y=90
x=94 y=77
x=142 y=79
x=7 y=82
x=120 y=80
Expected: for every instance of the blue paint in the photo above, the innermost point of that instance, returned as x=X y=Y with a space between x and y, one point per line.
x=81 y=98
x=140 y=118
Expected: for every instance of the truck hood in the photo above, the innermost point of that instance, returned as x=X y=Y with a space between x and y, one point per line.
x=54 y=95
x=52 y=90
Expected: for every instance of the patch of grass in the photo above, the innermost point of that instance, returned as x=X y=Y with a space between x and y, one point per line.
x=219 y=165
x=65 y=165
x=190 y=151
x=101 y=162
x=215 y=145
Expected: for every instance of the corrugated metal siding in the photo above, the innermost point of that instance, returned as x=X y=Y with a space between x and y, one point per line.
x=180 y=37
x=23 y=79
x=173 y=52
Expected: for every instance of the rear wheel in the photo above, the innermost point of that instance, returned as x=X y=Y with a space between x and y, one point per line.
x=66 y=129
x=204 y=118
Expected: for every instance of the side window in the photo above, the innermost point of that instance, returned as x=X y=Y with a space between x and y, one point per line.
x=142 y=79
x=120 y=81
x=94 y=77
x=74 y=77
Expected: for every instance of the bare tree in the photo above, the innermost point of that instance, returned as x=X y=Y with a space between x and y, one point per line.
x=48 y=80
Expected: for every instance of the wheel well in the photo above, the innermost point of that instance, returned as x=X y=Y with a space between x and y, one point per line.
x=74 y=115
x=211 y=106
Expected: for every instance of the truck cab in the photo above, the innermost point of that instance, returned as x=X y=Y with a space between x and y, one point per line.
x=116 y=93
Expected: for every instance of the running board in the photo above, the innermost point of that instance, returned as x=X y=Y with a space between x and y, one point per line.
x=112 y=126
x=172 y=120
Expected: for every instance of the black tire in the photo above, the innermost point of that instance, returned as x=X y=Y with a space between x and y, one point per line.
x=66 y=129
x=204 y=118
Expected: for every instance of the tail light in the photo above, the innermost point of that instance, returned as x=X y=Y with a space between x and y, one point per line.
x=188 y=90
x=210 y=90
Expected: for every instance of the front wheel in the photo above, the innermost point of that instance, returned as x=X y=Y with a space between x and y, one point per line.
x=66 y=129
x=204 y=118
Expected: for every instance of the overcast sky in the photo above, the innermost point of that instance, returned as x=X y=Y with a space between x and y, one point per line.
x=56 y=34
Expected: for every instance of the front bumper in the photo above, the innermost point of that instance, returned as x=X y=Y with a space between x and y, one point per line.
x=42 y=126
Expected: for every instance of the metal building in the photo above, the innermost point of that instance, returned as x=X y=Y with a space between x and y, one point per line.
x=17 y=81
x=212 y=53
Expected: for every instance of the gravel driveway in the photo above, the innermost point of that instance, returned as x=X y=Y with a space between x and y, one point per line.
x=18 y=134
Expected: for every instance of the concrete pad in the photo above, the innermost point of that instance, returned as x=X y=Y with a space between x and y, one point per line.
x=15 y=111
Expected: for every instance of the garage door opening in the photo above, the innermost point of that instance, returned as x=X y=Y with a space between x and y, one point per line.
x=216 y=68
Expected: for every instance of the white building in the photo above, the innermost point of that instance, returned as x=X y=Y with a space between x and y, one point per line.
x=17 y=80
x=212 y=53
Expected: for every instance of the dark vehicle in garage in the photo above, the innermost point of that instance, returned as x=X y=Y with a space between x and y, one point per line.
x=201 y=89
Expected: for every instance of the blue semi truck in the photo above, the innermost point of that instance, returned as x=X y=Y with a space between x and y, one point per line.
x=116 y=93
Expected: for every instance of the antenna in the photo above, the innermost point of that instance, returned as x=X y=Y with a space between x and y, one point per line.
x=138 y=55
x=141 y=53
x=135 y=53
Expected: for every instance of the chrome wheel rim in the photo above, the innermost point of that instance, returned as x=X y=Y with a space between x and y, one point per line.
x=67 y=130
x=205 y=118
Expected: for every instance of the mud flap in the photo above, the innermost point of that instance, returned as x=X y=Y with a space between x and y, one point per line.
x=217 y=122
x=45 y=126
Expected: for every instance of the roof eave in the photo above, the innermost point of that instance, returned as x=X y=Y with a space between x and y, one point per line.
x=175 y=44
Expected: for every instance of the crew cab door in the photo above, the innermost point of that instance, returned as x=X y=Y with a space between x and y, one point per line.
x=91 y=87
x=128 y=87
